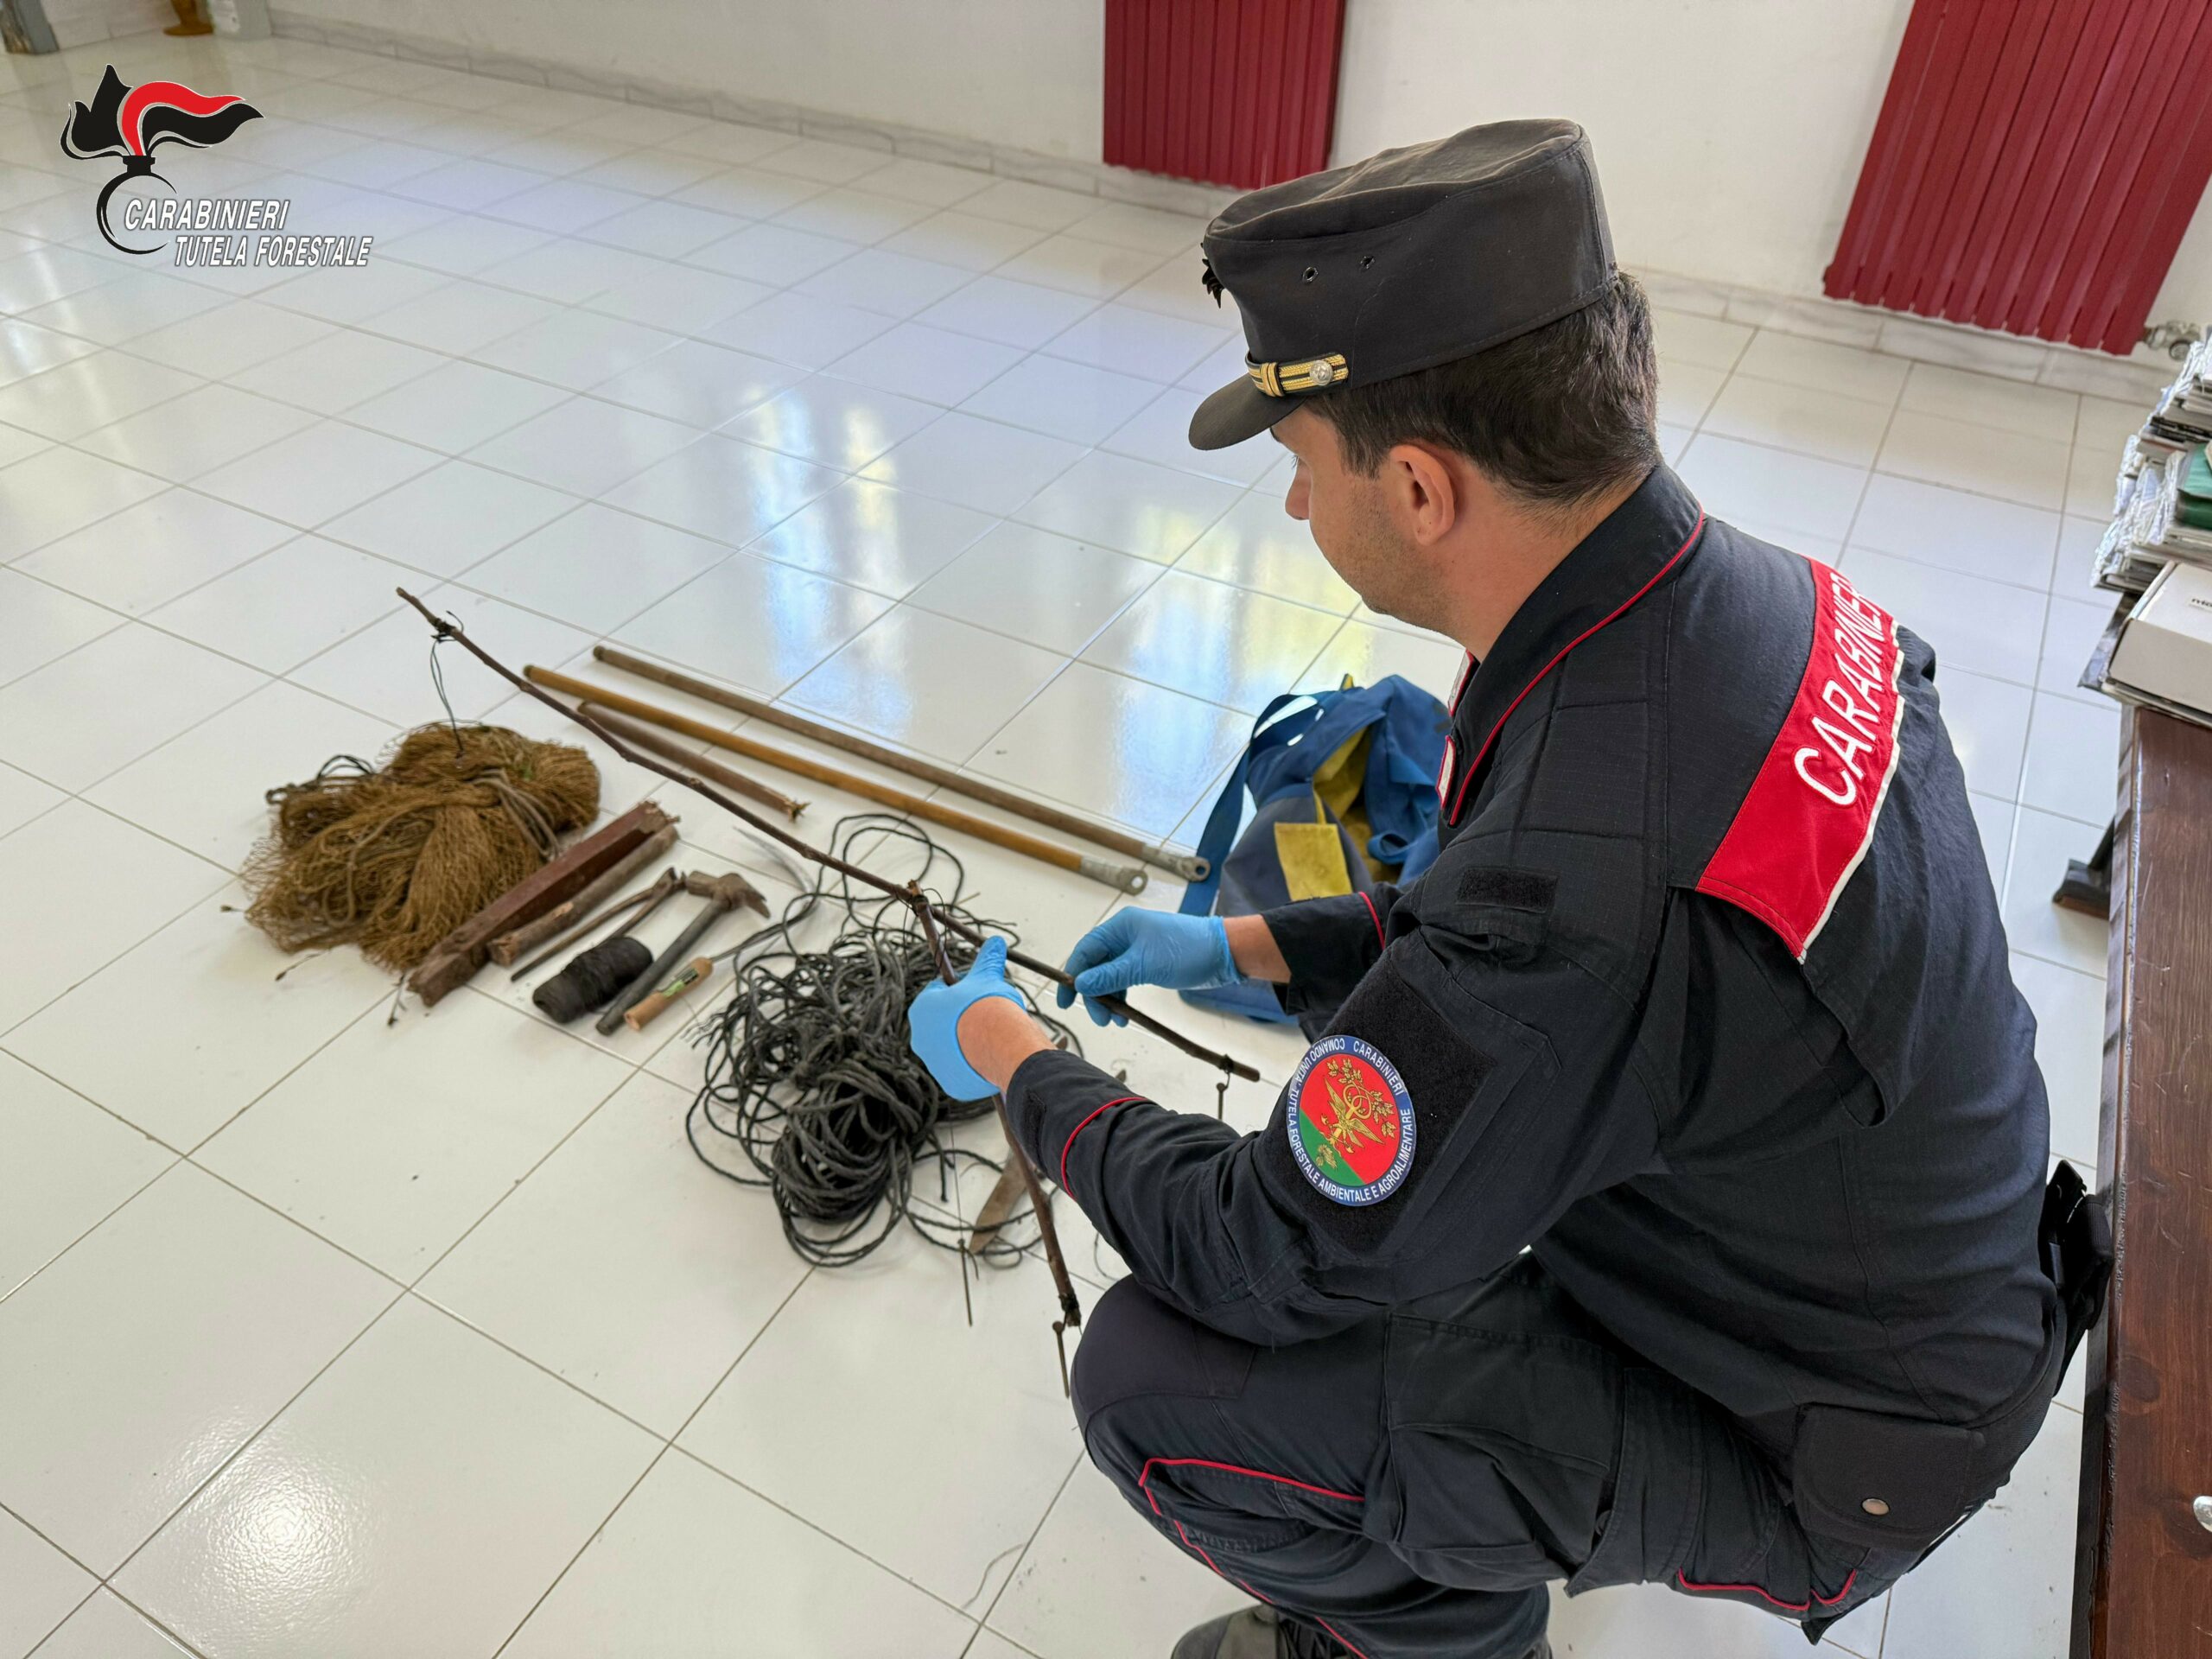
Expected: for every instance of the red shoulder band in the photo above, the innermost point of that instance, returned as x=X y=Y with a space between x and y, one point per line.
x=1809 y=816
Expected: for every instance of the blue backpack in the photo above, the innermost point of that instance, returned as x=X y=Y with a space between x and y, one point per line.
x=1344 y=789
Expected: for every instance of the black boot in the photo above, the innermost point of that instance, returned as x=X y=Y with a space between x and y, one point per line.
x=1263 y=1633
x=1258 y=1633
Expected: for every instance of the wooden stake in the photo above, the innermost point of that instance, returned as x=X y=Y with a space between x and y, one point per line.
x=460 y=953
x=509 y=946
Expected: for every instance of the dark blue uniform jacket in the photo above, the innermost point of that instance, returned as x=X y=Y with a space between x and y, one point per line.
x=1705 y=1002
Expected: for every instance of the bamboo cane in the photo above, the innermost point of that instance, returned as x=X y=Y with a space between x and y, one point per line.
x=669 y=749
x=1189 y=868
x=1129 y=878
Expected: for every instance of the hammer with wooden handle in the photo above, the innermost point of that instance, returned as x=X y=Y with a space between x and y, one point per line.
x=649 y=1007
x=721 y=892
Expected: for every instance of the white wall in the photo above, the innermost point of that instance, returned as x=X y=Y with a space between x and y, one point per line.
x=1024 y=72
x=1729 y=133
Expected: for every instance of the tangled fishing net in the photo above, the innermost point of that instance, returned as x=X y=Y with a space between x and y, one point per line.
x=394 y=857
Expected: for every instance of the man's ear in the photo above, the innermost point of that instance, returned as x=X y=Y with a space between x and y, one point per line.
x=1425 y=490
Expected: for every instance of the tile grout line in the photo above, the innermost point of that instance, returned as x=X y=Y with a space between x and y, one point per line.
x=318 y=531
x=167 y=919
x=165 y=1629
x=668 y=1444
x=357 y=325
x=175 y=1158
x=746 y=547
x=40 y=1533
x=686 y=260
x=405 y=1289
x=2043 y=653
x=403 y=1292
x=983 y=1621
x=215 y=1474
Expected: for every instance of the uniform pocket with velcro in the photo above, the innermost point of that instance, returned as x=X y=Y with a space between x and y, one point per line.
x=1880 y=1481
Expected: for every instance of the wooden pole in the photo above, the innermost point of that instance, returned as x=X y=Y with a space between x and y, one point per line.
x=1191 y=869
x=645 y=738
x=446 y=627
x=597 y=700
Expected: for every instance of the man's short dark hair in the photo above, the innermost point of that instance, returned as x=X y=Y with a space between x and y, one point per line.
x=1556 y=416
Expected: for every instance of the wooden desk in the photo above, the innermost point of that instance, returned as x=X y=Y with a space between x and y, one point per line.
x=2143 y=1573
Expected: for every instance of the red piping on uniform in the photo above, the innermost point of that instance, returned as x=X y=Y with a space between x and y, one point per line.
x=1124 y=1101
x=1377 y=920
x=1753 y=1590
x=1144 y=1478
x=1476 y=765
x=1150 y=1463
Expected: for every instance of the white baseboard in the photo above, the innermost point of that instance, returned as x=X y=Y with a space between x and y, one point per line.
x=2037 y=362
x=2133 y=379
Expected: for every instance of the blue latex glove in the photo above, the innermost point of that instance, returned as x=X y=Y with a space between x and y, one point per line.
x=1147 y=947
x=933 y=1021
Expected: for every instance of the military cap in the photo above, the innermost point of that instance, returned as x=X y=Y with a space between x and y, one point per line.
x=1410 y=258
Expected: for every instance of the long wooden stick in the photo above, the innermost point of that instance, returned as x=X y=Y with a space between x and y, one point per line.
x=669 y=749
x=1125 y=878
x=1190 y=867
x=1047 y=1234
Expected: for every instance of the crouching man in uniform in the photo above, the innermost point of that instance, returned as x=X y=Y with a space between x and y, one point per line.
x=1663 y=1201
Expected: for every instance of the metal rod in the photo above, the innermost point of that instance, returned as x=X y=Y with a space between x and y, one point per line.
x=584 y=718
x=1188 y=866
x=723 y=893
x=1047 y=1234
x=657 y=971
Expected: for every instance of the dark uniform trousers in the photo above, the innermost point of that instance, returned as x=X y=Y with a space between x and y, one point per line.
x=1412 y=1484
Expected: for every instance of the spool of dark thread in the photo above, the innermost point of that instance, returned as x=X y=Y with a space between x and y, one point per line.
x=591 y=979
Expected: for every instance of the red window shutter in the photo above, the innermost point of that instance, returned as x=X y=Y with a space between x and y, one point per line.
x=1240 y=92
x=2034 y=166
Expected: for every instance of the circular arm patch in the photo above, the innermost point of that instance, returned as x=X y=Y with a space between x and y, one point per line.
x=1350 y=1121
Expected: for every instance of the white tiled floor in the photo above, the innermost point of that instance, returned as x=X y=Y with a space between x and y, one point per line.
x=320 y=1337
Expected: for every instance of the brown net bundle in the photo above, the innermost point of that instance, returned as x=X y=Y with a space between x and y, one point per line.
x=394 y=858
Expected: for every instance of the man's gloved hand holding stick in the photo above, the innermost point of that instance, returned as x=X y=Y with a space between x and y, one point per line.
x=972 y=1035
